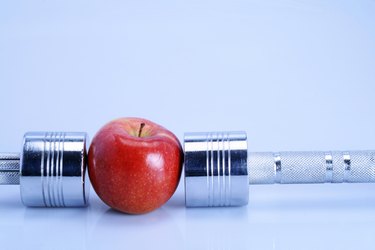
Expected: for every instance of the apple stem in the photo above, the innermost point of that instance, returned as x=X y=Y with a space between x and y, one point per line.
x=140 y=129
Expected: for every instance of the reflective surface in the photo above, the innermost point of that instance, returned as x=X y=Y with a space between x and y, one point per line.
x=324 y=216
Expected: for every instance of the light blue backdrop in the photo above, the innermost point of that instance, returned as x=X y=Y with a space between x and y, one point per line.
x=295 y=74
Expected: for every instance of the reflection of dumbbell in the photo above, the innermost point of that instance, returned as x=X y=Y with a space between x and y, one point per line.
x=51 y=169
x=218 y=168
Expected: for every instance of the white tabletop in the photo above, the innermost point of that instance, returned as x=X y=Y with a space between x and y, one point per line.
x=294 y=74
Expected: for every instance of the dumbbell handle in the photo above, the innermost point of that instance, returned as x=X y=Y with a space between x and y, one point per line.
x=311 y=167
x=9 y=168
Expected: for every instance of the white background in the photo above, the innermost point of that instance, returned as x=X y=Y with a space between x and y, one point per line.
x=295 y=74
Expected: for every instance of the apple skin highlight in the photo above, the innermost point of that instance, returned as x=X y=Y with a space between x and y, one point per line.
x=135 y=165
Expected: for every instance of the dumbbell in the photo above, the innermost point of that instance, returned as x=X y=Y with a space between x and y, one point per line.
x=219 y=168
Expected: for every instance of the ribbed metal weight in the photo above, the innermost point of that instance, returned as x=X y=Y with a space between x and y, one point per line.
x=216 y=169
x=51 y=169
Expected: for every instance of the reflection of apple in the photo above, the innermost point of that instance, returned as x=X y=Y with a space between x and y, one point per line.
x=135 y=165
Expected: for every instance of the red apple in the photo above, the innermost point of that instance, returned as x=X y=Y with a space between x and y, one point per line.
x=135 y=165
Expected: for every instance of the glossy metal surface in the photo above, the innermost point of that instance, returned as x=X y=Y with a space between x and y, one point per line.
x=216 y=169
x=53 y=169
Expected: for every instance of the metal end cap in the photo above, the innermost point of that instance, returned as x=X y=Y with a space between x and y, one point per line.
x=53 y=169
x=216 y=169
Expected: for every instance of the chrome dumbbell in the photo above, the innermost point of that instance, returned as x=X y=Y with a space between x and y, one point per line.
x=51 y=169
x=218 y=168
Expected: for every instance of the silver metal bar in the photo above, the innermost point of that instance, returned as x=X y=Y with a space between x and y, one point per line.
x=9 y=168
x=312 y=167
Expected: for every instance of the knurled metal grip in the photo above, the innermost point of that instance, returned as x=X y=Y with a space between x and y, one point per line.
x=51 y=169
x=9 y=168
x=218 y=168
x=312 y=167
